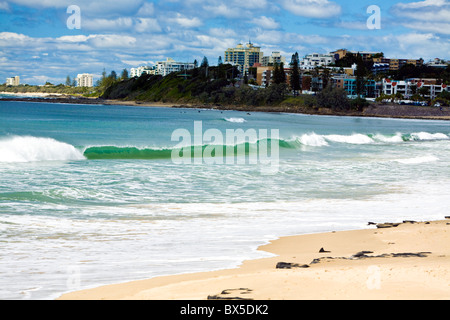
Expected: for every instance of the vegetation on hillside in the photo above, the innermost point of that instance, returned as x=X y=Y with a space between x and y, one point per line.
x=218 y=86
x=48 y=88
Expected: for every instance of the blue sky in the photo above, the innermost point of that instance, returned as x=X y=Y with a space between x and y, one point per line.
x=36 y=44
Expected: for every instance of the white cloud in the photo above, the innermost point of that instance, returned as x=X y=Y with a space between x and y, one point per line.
x=147 y=25
x=112 y=41
x=107 y=24
x=223 y=10
x=4 y=5
x=421 y=4
x=266 y=22
x=122 y=24
x=96 y=40
x=147 y=9
x=419 y=45
x=222 y=33
x=186 y=22
x=73 y=39
x=312 y=8
x=424 y=16
x=435 y=27
x=13 y=38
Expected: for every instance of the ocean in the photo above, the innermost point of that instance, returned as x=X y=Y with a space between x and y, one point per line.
x=93 y=194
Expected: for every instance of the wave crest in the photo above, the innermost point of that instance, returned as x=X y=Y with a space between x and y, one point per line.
x=32 y=149
x=316 y=140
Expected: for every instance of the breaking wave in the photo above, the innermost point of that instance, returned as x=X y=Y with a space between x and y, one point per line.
x=32 y=149
x=313 y=139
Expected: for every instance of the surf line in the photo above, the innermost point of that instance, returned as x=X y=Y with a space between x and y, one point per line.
x=236 y=146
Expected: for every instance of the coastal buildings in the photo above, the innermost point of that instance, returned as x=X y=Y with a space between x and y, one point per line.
x=314 y=60
x=137 y=72
x=396 y=64
x=406 y=89
x=165 y=67
x=437 y=63
x=85 y=80
x=264 y=75
x=380 y=68
x=274 y=58
x=244 y=57
x=378 y=59
x=162 y=68
x=349 y=84
x=366 y=55
x=13 y=81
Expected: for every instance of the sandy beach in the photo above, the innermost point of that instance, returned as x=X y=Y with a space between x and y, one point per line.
x=409 y=260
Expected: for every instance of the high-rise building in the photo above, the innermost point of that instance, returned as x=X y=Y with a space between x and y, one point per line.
x=85 y=80
x=13 y=81
x=243 y=57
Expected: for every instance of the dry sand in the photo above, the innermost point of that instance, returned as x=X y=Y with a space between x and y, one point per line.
x=421 y=271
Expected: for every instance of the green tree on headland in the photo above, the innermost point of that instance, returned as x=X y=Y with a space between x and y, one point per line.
x=124 y=74
x=205 y=63
x=295 y=74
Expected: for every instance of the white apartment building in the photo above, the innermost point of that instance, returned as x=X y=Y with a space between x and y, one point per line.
x=409 y=86
x=313 y=60
x=13 y=81
x=85 y=80
x=137 y=72
x=165 y=67
x=276 y=57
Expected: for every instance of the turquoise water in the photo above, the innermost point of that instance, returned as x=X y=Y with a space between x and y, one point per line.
x=91 y=195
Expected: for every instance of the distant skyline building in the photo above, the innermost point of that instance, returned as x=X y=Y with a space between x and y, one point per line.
x=13 y=81
x=85 y=80
x=244 y=57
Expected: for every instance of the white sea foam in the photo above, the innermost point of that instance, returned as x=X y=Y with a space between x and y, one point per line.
x=236 y=120
x=314 y=139
x=356 y=138
x=32 y=149
x=418 y=160
x=429 y=136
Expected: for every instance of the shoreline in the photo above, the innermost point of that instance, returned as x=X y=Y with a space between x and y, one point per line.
x=407 y=261
x=374 y=110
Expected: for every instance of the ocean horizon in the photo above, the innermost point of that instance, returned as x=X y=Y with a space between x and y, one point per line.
x=91 y=195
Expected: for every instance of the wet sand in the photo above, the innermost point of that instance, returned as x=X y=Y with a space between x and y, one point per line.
x=406 y=261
